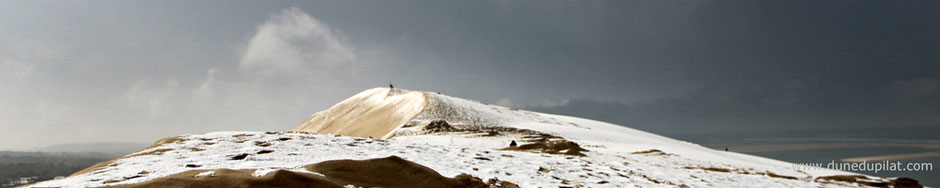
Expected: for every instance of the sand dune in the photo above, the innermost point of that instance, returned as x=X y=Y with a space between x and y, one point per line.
x=373 y=113
x=469 y=141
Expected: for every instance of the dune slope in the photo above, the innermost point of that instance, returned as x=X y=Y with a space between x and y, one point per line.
x=373 y=113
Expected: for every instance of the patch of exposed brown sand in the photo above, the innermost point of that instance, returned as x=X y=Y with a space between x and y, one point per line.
x=552 y=147
x=237 y=178
x=739 y=171
x=373 y=113
x=387 y=172
x=380 y=172
x=652 y=152
x=894 y=157
x=900 y=182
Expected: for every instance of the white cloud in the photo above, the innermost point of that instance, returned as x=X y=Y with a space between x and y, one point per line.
x=294 y=42
x=13 y=72
x=550 y=103
x=16 y=70
x=245 y=95
x=18 y=60
x=153 y=100
x=205 y=88
x=504 y=102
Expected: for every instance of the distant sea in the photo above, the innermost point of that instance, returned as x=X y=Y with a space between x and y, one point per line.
x=825 y=156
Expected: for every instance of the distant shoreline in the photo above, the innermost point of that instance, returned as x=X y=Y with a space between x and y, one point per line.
x=813 y=146
x=792 y=147
x=894 y=157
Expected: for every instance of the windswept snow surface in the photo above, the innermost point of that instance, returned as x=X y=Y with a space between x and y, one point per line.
x=597 y=136
x=293 y=150
x=607 y=141
x=619 y=156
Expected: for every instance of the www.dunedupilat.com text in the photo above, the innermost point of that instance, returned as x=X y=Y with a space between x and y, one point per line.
x=875 y=166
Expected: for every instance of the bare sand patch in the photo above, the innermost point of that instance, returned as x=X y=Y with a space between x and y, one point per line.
x=373 y=113
x=553 y=147
x=652 y=152
x=899 y=182
x=442 y=126
x=740 y=171
x=380 y=172
x=715 y=169
x=537 y=141
x=237 y=178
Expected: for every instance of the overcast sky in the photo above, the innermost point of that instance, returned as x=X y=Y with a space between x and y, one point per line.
x=90 y=71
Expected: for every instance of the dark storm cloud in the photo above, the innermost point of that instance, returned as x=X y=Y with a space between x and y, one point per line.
x=626 y=50
x=796 y=108
x=794 y=66
x=105 y=69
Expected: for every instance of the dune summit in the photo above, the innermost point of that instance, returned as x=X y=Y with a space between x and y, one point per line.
x=376 y=113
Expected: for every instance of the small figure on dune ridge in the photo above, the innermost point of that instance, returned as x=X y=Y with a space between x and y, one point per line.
x=513 y=143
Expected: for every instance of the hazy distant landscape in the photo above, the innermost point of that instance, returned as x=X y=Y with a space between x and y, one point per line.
x=39 y=166
x=24 y=167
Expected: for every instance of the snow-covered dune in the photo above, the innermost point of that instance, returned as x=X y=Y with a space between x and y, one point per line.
x=490 y=127
x=462 y=138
